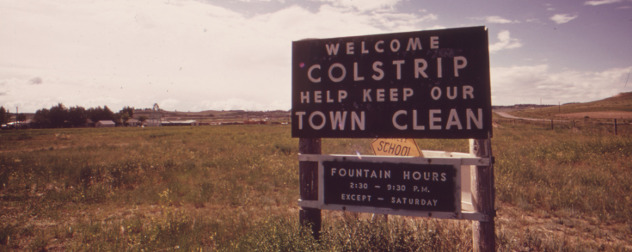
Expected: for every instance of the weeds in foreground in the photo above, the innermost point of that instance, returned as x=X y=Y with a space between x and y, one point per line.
x=235 y=188
x=572 y=174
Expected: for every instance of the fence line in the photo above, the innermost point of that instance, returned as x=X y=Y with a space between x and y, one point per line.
x=613 y=126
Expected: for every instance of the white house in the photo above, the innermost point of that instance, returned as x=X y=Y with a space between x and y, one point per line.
x=132 y=122
x=105 y=123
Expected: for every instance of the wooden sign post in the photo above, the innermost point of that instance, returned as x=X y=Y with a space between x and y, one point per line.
x=483 y=197
x=308 y=176
x=423 y=84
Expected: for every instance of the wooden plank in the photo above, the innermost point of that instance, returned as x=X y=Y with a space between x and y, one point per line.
x=483 y=232
x=412 y=160
x=308 y=175
x=462 y=216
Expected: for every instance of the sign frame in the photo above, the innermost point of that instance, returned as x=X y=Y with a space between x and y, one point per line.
x=459 y=163
x=394 y=111
x=433 y=84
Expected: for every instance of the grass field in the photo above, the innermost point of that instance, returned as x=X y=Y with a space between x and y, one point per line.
x=235 y=188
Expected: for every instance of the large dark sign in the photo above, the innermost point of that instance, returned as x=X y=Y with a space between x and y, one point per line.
x=420 y=187
x=426 y=84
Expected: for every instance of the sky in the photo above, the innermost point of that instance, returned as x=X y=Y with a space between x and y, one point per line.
x=196 y=55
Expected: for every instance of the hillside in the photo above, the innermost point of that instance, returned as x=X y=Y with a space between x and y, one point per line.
x=619 y=107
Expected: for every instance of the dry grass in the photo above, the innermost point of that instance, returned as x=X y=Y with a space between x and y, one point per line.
x=235 y=188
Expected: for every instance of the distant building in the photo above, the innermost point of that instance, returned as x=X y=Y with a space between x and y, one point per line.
x=18 y=124
x=152 y=122
x=90 y=123
x=179 y=123
x=132 y=122
x=105 y=123
x=256 y=121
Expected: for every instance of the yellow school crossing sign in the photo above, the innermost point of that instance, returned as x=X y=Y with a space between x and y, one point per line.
x=403 y=147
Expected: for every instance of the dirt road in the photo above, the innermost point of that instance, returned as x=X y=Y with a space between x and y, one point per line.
x=509 y=116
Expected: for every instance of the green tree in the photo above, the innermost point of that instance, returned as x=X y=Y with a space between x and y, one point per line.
x=4 y=118
x=117 y=119
x=98 y=114
x=125 y=114
x=20 y=117
x=142 y=119
x=42 y=118
x=77 y=116
x=59 y=116
x=127 y=110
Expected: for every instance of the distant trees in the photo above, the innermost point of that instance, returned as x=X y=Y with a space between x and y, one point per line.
x=42 y=119
x=4 y=116
x=20 y=117
x=125 y=114
x=98 y=114
x=142 y=119
x=59 y=116
x=77 y=116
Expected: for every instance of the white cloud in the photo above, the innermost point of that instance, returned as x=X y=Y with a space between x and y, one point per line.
x=601 y=2
x=534 y=20
x=529 y=84
x=499 y=20
x=505 y=41
x=563 y=18
x=365 y=5
x=36 y=81
x=180 y=54
x=192 y=55
x=236 y=104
